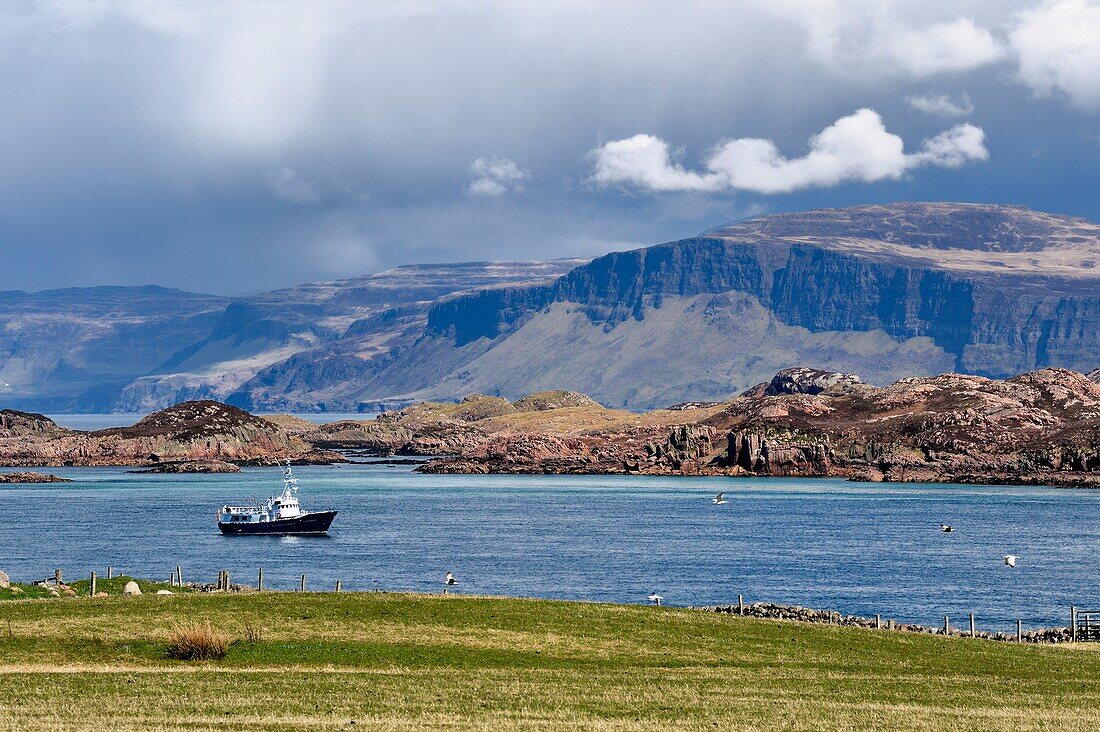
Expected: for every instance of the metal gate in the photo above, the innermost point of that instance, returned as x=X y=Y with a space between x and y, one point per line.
x=1085 y=625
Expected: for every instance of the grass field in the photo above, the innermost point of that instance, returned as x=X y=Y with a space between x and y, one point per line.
x=356 y=660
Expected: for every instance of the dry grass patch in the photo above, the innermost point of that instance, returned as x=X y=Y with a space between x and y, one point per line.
x=197 y=642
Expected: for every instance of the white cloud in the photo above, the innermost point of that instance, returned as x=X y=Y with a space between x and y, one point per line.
x=287 y=185
x=870 y=39
x=854 y=148
x=1057 y=48
x=496 y=176
x=941 y=105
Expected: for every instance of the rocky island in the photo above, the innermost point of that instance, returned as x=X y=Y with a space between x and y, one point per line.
x=30 y=477
x=204 y=436
x=1041 y=427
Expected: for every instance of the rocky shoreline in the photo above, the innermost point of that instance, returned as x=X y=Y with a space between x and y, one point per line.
x=1039 y=428
x=800 y=614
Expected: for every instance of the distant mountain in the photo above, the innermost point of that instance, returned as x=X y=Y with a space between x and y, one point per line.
x=882 y=291
x=885 y=292
x=144 y=348
x=76 y=349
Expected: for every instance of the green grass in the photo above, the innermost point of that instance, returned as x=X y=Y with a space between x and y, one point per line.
x=322 y=661
x=111 y=586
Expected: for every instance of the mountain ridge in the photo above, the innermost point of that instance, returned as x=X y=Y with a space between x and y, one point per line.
x=885 y=291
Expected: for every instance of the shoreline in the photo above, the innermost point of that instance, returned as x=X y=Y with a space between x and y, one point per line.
x=418 y=463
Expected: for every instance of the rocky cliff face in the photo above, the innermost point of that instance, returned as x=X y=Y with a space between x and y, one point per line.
x=193 y=432
x=1039 y=427
x=883 y=291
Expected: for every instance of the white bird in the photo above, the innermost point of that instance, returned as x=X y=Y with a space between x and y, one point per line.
x=655 y=598
x=946 y=528
x=720 y=499
x=1010 y=559
x=449 y=579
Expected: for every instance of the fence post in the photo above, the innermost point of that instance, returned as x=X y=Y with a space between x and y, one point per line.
x=226 y=579
x=338 y=584
x=109 y=571
x=740 y=606
x=1019 y=631
x=57 y=576
x=1073 y=623
x=91 y=585
x=878 y=622
x=179 y=576
x=972 y=635
x=946 y=625
x=303 y=589
x=260 y=581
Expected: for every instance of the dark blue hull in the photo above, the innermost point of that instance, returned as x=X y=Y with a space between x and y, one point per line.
x=311 y=523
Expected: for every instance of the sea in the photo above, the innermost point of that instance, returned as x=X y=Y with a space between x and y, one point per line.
x=859 y=548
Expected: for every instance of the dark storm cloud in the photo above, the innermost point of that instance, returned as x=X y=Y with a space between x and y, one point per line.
x=237 y=146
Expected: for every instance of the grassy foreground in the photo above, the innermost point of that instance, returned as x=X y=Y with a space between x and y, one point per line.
x=326 y=661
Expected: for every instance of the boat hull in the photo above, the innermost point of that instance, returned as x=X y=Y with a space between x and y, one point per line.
x=310 y=523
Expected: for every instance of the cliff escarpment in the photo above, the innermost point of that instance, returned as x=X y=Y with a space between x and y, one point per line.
x=997 y=289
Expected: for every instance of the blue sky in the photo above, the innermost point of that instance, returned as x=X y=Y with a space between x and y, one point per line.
x=230 y=147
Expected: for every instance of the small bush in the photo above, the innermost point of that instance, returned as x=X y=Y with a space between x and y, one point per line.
x=197 y=642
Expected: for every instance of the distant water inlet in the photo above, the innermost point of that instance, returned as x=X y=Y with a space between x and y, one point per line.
x=860 y=549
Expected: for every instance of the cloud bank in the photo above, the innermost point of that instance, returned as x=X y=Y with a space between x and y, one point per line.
x=854 y=148
x=1057 y=48
x=143 y=140
x=873 y=39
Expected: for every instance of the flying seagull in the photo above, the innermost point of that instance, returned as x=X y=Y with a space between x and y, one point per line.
x=655 y=598
x=720 y=499
x=1010 y=559
x=946 y=528
x=449 y=579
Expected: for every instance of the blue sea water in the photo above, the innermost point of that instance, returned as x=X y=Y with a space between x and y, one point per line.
x=857 y=548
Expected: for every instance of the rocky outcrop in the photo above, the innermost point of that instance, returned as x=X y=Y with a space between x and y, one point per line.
x=558 y=399
x=803 y=380
x=31 y=478
x=187 y=432
x=193 y=466
x=757 y=452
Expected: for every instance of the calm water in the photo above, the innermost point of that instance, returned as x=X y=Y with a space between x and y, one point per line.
x=857 y=548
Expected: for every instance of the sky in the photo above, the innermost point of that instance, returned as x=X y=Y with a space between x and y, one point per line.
x=233 y=147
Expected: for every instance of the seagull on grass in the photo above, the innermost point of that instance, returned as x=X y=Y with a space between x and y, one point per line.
x=719 y=499
x=1010 y=559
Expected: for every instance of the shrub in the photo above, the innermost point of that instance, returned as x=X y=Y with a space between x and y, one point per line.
x=197 y=642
